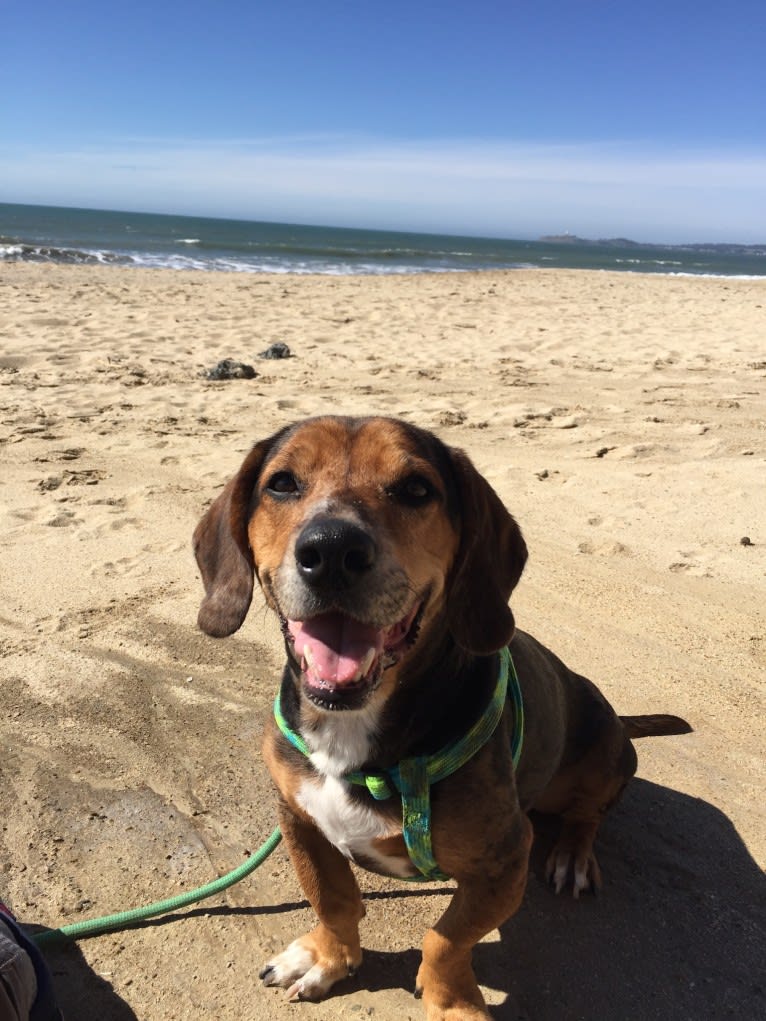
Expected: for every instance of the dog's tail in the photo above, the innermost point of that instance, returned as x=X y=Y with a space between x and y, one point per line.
x=655 y=725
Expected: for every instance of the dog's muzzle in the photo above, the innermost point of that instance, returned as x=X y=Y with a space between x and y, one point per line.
x=345 y=617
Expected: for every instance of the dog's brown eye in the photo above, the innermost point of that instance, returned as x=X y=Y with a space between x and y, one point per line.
x=282 y=484
x=414 y=491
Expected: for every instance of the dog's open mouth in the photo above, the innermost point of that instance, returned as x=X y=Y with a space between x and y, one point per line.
x=342 y=659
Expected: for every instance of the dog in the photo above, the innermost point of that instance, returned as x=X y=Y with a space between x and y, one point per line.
x=390 y=561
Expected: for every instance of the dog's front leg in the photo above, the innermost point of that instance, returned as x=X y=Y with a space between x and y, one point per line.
x=480 y=904
x=311 y=965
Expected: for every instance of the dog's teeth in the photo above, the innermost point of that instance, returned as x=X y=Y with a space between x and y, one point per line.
x=367 y=662
x=364 y=666
x=308 y=658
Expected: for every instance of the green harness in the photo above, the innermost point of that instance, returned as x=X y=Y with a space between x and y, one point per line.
x=412 y=778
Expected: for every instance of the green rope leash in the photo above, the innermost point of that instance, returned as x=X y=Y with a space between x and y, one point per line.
x=121 y=920
x=441 y=765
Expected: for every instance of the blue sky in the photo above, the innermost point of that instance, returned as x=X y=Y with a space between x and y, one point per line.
x=511 y=118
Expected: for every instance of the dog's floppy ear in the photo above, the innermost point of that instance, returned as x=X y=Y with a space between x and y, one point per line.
x=223 y=551
x=489 y=562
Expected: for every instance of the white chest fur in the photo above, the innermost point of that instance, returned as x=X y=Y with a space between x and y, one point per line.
x=350 y=826
x=339 y=743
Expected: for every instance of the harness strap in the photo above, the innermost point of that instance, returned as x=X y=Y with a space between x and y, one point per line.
x=412 y=778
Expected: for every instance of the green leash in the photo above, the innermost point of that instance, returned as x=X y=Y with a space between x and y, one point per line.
x=412 y=778
x=121 y=920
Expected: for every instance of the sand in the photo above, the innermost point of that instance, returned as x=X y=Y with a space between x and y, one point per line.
x=622 y=418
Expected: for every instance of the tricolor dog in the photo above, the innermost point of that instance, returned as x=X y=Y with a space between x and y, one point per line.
x=415 y=728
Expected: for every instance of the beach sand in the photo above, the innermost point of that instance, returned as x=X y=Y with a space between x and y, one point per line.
x=621 y=417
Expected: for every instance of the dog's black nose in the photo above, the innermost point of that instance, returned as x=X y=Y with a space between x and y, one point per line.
x=333 y=553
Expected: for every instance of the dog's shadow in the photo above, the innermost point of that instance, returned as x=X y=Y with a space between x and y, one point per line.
x=678 y=931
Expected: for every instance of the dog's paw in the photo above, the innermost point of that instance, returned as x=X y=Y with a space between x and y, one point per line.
x=299 y=970
x=564 y=862
x=454 y=1012
x=458 y=1012
x=451 y=997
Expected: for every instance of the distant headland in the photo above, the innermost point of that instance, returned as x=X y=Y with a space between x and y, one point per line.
x=720 y=248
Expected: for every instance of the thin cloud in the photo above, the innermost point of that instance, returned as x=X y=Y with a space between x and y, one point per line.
x=457 y=186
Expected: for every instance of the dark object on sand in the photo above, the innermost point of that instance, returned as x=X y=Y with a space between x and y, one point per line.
x=229 y=369
x=278 y=350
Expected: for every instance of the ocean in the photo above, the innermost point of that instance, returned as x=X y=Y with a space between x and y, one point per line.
x=102 y=237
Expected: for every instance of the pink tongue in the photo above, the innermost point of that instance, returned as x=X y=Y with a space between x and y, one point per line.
x=336 y=645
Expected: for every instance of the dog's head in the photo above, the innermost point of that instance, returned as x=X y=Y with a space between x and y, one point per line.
x=366 y=535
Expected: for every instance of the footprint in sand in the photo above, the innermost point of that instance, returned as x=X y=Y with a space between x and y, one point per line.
x=113 y=568
x=63 y=519
x=83 y=477
x=141 y=565
x=692 y=565
x=679 y=567
x=636 y=451
x=610 y=548
x=113 y=525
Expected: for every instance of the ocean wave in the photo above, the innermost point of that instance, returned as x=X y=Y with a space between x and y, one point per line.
x=331 y=262
x=715 y=276
x=305 y=267
x=19 y=251
x=652 y=262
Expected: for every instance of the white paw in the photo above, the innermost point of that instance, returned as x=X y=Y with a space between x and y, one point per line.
x=296 y=970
